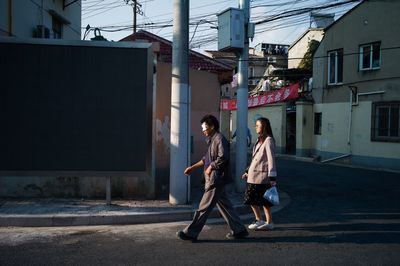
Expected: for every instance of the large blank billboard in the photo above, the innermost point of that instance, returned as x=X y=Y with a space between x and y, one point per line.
x=73 y=107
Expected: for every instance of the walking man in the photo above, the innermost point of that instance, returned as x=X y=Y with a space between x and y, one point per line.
x=217 y=174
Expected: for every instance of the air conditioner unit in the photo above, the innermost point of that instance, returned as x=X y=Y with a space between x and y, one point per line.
x=41 y=32
x=271 y=59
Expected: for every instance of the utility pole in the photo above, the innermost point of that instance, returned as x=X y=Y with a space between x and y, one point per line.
x=136 y=9
x=180 y=106
x=42 y=19
x=10 y=18
x=242 y=96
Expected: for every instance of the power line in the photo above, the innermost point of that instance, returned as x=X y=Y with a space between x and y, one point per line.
x=197 y=23
x=297 y=58
x=302 y=11
x=102 y=10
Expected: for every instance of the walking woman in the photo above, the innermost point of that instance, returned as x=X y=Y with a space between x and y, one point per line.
x=261 y=175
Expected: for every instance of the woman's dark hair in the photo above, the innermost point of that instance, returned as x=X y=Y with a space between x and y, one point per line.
x=211 y=121
x=266 y=130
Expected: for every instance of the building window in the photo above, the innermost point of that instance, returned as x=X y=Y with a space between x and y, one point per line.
x=386 y=121
x=335 y=67
x=57 y=28
x=370 y=56
x=317 y=123
x=251 y=72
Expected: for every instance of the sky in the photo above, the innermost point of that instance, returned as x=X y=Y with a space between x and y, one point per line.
x=114 y=18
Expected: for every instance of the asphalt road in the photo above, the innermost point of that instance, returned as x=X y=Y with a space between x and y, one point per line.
x=337 y=216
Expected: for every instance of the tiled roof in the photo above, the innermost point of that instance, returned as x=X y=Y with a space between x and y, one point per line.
x=196 y=60
x=231 y=59
x=228 y=55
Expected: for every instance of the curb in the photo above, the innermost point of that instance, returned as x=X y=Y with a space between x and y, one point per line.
x=296 y=158
x=314 y=160
x=119 y=219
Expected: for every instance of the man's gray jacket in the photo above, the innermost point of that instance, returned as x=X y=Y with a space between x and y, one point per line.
x=219 y=155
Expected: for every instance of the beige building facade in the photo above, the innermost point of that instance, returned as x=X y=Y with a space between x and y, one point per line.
x=205 y=78
x=276 y=113
x=205 y=100
x=356 y=87
x=300 y=46
x=354 y=115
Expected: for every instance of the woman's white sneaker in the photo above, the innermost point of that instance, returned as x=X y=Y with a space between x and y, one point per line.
x=256 y=224
x=265 y=226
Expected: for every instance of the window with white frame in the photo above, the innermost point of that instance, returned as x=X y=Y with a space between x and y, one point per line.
x=335 y=67
x=370 y=56
x=386 y=121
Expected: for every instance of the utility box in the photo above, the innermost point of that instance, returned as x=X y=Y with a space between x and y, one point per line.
x=231 y=30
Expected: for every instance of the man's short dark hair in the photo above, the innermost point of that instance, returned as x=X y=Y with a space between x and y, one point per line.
x=211 y=121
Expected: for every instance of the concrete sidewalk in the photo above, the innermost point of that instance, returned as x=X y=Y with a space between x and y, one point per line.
x=74 y=212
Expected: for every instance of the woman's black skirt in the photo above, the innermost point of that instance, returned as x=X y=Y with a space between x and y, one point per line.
x=254 y=194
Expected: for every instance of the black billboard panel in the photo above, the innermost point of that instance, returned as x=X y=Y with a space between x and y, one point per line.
x=79 y=106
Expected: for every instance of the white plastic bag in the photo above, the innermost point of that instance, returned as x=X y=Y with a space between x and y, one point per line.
x=272 y=195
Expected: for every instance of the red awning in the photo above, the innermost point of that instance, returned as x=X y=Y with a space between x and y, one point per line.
x=281 y=95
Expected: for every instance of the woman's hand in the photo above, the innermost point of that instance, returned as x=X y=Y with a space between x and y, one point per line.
x=244 y=176
x=208 y=170
x=188 y=170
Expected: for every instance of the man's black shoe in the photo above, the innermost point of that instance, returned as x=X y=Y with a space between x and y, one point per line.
x=184 y=236
x=239 y=235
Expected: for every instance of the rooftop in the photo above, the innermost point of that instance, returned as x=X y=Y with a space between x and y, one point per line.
x=196 y=60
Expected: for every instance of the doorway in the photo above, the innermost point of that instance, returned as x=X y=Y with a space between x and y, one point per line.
x=291 y=129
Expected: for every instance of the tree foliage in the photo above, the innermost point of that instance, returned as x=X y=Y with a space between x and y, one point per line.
x=307 y=61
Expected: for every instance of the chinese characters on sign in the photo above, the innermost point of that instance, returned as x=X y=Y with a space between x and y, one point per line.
x=283 y=94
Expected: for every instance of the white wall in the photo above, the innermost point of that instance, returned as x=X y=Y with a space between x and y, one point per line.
x=361 y=143
x=26 y=15
x=304 y=128
x=334 y=131
x=276 y=113
x=366 y=23
x=297 y=51
x=334 y=135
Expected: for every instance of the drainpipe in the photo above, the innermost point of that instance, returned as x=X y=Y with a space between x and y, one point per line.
x=349 y=129
x=189 y=138
x=10 y=18
x=336 y=158
x=42 y=19
x=355 y=104
x=350 y=114
x=351 y=104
